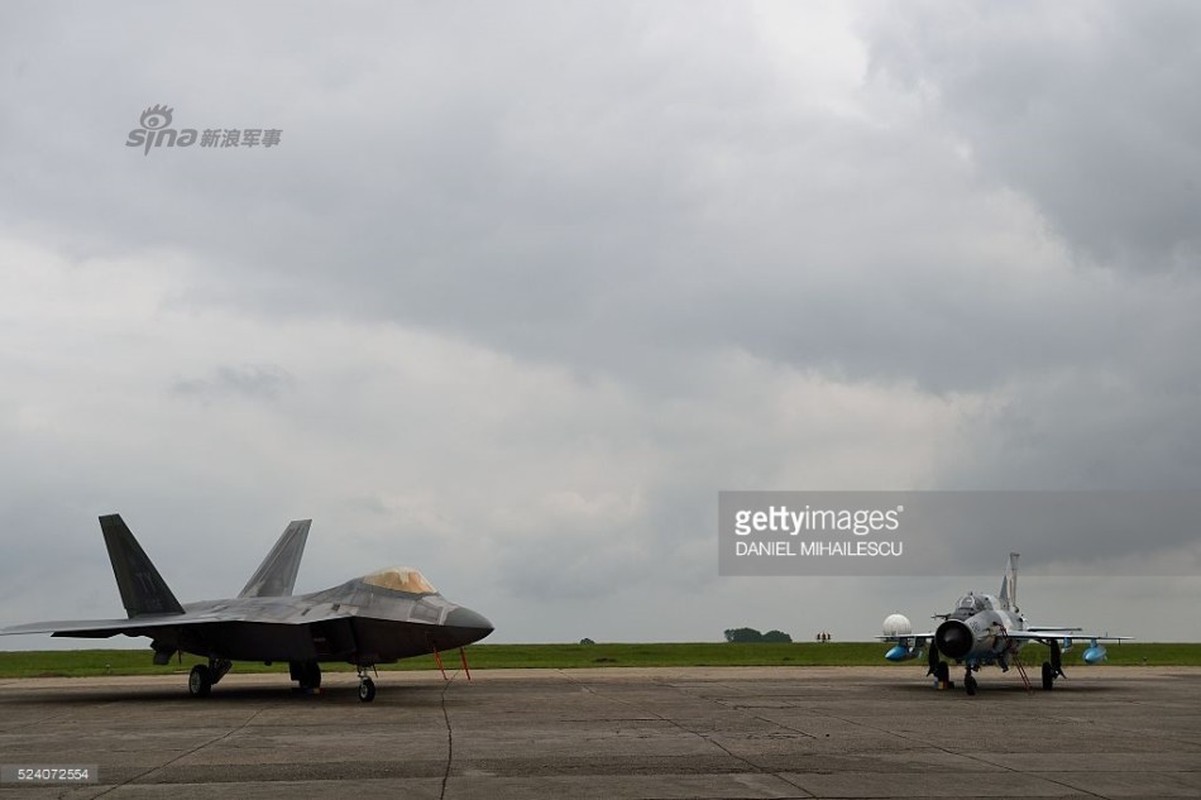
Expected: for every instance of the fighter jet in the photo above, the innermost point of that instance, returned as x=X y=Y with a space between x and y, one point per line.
x=376 y=619
x=986 y=629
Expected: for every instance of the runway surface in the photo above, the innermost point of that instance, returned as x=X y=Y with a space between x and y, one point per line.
x=603 y=733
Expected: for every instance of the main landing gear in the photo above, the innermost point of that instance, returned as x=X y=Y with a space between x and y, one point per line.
x=941 y=671
x=938 y=668
x=1048 y=676
x=366 y=685
x=202 y=678
x=1054 y=668
x=306 y=673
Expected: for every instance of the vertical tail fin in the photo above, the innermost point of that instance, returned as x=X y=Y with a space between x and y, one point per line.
x=1009 y=584
x=276 y=576
x=143 y=590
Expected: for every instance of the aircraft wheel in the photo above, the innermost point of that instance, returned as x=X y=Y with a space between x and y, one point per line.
x=306 y=673
x=200 y=681
x=1048 y=676
x=367 y=690
x=969 y=684
x=942 y=673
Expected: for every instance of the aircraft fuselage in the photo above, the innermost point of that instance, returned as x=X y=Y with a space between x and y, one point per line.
x=975 y=632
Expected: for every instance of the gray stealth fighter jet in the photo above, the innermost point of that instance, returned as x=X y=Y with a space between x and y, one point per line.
x=388 y=615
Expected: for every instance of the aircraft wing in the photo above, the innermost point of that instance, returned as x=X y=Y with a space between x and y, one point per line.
x=896 y=637
x=1055 y=634
x=146 y=624
x=1039 y=634
x=96 y=628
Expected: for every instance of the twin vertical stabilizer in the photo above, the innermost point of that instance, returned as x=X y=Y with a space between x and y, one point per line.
x=143 y=590
x=276 y=576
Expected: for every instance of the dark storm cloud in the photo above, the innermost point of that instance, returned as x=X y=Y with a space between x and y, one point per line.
x=618 y=192
x=1083 y=106
x=1080 y=108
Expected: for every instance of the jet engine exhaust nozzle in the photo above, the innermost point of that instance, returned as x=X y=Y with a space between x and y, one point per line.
x=954 y=639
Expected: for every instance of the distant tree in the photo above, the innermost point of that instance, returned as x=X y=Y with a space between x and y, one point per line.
x=777 y=637
x=743 y=635
x=586 y=640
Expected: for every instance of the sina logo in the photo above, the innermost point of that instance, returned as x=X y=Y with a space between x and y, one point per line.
x=155 y=130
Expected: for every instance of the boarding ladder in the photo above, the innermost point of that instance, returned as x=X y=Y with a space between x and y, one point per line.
x=1017 y=663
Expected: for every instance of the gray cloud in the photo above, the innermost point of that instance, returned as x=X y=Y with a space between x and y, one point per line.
x=552 y=276
x=1081 y=107
x=266 y=382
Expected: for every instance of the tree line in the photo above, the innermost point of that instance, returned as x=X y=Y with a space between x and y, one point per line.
x=751 y=635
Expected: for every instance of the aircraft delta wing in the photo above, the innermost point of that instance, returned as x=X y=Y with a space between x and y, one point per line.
x=379 y=618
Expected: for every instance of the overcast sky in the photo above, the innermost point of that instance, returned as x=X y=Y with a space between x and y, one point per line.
x=523 y=285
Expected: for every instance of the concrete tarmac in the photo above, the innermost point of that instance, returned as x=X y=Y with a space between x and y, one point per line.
x=779 y=732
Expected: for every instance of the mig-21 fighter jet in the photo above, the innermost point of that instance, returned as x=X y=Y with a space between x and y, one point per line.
x=984 y=629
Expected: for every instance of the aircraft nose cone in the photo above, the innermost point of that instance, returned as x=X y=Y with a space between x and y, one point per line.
x=463 y=617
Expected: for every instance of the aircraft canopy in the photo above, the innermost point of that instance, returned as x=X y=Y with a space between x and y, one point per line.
x=401 y=579
x=973 y=603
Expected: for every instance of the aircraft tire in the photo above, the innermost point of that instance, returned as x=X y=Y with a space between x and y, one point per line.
x=200 y=681
x=307 y=674
x=942 y=673
x=969 y=685
x=1048 y=676
x=367 y=690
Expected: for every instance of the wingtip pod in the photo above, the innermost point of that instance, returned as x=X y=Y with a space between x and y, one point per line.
x=143 y=590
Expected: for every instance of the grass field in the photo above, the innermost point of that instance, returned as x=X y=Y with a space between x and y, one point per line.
x=80 y=663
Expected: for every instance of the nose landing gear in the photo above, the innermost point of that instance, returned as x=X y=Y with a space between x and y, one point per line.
x=366 y=685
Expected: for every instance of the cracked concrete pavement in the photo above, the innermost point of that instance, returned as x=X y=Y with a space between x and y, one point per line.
x=662 y=733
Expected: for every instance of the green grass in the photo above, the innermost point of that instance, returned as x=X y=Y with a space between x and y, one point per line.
x=79 y=663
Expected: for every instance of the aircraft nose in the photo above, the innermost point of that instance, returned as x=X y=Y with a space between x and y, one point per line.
x=463 y=617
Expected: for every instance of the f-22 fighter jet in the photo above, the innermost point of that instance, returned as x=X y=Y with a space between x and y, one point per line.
x=983 y=630
x=388 y=615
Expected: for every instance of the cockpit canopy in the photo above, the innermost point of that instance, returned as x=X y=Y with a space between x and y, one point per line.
x=975 y=603
x=401 y=579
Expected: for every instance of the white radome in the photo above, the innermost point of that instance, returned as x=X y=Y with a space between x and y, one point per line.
x=897 y=625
